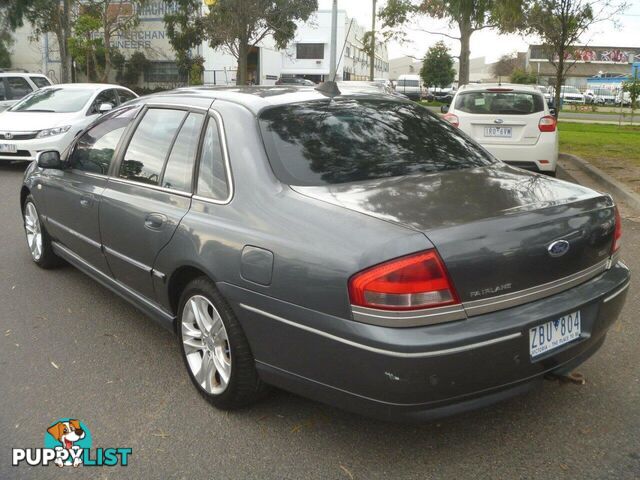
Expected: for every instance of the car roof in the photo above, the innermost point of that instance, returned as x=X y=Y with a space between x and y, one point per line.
x=86 y=86
x=258 y=97
x=21 y=74
x=486 y=86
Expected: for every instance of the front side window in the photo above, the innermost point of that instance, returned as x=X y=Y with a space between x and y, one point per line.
x=95 y=148
x=179 y=169
x=106 y=96
x=310 y=51
x=348 y=140
x=500 y=103
x=54 y=99
x=149 y=146
x=18 y=87
x=212 y=174
x=125 y=95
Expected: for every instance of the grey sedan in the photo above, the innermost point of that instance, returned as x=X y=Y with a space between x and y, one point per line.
x=352 y=248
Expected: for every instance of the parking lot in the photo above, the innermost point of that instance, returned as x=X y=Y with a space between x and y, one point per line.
x=71 y=348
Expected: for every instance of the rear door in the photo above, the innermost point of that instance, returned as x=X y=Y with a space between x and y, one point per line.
x=145 y=200
x=501 y=116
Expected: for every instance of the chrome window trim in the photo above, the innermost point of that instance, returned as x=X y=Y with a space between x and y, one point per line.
x=501 y=302
x=227 y=164
x=413 y=318
x=382 y=351
x=152 y=187
x=615 y=294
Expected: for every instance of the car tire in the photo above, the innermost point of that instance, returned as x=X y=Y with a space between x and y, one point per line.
x=551 y=173
x=38 y=239
x=220 y=363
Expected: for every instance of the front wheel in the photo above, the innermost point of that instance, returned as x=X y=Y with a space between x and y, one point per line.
x=38 y=239
x=215 y=349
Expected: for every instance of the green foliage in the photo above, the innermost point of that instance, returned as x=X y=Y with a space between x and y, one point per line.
x=185 y=30
x=85 y=48
x=197 y=70
x=505 y=66
x=521 y=76
x=129 y=70
x=437 y=66
x=633 y=88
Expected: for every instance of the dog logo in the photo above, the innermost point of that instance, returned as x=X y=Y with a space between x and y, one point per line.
x=69 y=437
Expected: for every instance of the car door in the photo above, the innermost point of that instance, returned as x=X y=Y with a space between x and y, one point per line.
x=72 y=195
x=13 y=89
x=144 y=202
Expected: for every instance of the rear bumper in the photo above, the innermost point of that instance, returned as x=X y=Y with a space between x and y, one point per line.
x=529 y=156
x=424 y=372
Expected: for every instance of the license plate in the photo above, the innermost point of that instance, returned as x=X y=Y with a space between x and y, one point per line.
x=8 y=148
x=553 y=334
x=497 y=132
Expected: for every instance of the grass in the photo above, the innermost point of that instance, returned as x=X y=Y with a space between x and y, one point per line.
x=593 y=141
x=433 y=103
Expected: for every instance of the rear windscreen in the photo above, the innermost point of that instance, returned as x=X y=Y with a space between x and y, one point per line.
x=501 y=103
x=348 y=140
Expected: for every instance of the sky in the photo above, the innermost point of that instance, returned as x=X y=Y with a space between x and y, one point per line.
x=489 y=43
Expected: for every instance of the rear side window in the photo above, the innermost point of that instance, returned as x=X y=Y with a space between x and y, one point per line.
x=212 y=173
x=179 y=169
x=18 y=87
x=348 y=140
x=40 y=81
x=149 y=146
x=125 y=95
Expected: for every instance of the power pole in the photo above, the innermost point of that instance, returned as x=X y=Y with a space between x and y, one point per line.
x=373 y=43
x=334 y=41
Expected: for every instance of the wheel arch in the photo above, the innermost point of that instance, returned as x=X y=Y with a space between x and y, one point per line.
x=24 y=193
x=178 y=280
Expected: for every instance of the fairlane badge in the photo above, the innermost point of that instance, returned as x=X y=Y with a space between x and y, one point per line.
x=490 y=290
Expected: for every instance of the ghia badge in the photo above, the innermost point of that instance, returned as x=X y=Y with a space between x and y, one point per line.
x=558 y=248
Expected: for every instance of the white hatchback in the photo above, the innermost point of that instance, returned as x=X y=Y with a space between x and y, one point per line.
x=513 y=122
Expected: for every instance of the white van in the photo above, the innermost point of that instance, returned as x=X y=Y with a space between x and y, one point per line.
x=410 y=85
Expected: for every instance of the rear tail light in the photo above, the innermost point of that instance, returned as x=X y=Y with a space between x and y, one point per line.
x=406 y=283
x=547 y=124
x=617 y=233
x=452 y=119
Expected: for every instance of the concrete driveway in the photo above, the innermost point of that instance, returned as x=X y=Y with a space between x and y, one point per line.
x=71 y=348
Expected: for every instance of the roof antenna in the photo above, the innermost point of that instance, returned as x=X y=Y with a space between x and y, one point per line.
x=330 y=87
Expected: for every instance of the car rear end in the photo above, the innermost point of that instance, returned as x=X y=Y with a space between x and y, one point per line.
x=515 y=276
x=513 y=124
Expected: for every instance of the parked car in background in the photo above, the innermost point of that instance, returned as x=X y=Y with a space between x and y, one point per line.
x=513 y=122
x=355 y=249
x=623 y=98
x=546 y=91
x=410 y=85
x=15 y=85
x=600 y=96
x=570 y=95
x=444 y=95
x=368 y=87
x=294 y=81
x=51 y=117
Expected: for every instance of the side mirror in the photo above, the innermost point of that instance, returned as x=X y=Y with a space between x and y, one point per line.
x=444 y=108
x=49 y=159
x=105 y=107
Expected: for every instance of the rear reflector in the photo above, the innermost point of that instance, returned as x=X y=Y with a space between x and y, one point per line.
x=452 y=119
x=406 y=283
x=547 y=124
x=617 y=233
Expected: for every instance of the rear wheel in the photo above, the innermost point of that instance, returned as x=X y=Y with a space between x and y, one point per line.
x=215 y=349
x=38 y=239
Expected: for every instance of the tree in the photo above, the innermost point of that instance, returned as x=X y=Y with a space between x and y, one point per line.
x=505 y=66
x=560 y=24
x=46 y=16
x=468 y=16
x=520 y=75
x=234 y=25
x=6 y=40
x=437 y=67
x=633 y=88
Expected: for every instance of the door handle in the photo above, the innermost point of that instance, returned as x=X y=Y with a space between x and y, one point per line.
x=154 y=221
x=85 y=201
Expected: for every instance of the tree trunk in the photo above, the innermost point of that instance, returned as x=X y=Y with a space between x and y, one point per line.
x=559 y=82
x=63 y=42
x=243 y=52
x=465 y=37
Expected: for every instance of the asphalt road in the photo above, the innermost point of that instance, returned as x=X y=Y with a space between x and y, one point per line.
x=70 y=348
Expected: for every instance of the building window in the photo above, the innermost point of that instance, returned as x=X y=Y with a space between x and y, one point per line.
x=163 y=72
x=310 y=51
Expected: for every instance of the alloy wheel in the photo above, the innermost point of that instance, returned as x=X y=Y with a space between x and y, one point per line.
x=33 y=230
x=206 y=344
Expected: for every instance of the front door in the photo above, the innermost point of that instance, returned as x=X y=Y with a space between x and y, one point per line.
x=73 y=194
x=145 y=201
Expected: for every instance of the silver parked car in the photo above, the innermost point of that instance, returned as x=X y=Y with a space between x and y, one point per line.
x=353 y=248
